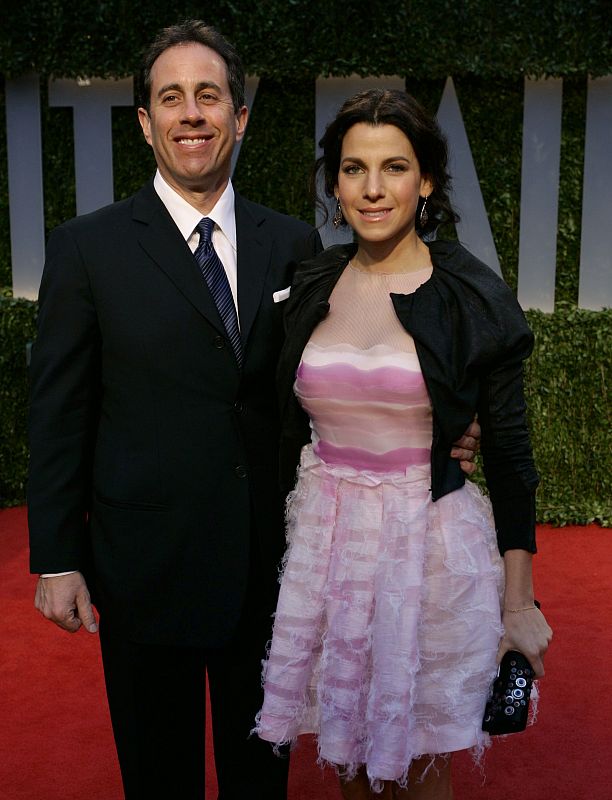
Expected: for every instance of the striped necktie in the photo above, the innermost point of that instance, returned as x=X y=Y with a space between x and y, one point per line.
x=216 y=280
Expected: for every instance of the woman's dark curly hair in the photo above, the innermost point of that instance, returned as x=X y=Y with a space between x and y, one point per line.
x=391 y=107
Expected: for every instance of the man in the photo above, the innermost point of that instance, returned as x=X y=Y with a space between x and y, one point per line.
x=154 y=453
x=154 y=434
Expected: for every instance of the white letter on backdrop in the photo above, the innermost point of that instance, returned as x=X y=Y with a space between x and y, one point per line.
x=542 y=108
x=91 y=100
x=596 y=245
x=25 y=184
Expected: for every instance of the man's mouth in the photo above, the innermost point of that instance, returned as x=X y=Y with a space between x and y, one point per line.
x=193 y=142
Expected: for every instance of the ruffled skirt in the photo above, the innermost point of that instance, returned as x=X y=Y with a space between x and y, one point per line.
x=388 y=620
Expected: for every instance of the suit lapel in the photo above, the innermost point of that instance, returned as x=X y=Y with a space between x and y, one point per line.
x=254 y=249
x=162 y=241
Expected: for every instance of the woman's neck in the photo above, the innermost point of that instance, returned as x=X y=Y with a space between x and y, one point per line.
x=408 y=255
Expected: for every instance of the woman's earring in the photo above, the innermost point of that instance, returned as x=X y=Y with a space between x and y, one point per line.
x=424 y=216
x=338 y=218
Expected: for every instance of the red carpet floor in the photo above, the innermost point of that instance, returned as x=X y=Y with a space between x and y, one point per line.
x=55 y=737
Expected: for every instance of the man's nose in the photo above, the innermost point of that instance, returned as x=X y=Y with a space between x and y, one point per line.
x=192 y=111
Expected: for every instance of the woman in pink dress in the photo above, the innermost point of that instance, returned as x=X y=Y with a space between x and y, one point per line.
x=402 y=585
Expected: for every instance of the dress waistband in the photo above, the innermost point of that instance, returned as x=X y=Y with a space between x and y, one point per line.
x=311 y=462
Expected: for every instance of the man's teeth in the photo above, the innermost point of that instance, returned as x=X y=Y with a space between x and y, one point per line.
x=191 y=141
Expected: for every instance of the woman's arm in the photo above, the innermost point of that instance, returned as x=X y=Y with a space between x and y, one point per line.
x=525 y=627
x=512 y=480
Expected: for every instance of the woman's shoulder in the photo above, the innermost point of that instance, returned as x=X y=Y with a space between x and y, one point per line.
x=476 y=291
x=321 y=270
x=454 y=258
x=463 y=272
x=338 y=255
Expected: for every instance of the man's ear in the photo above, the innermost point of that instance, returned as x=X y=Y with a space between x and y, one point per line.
x=145 y=123
x=242 y=117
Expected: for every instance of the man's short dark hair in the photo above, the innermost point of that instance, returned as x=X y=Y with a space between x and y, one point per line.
x=189 y=32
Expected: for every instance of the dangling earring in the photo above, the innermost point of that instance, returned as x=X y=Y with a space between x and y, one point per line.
x=424 y=216
x=338 y=218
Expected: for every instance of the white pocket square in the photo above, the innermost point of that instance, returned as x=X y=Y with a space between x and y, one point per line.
x=281 y=295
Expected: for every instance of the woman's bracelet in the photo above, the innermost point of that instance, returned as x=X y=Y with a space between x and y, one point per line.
x=516 y=610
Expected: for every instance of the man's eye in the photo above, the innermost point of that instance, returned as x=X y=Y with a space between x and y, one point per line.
x=170 y=98
x=208 y=98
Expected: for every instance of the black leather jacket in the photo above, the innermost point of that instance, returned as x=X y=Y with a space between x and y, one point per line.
x=471 y=339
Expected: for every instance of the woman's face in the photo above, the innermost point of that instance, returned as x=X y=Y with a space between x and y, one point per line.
x=379 y=182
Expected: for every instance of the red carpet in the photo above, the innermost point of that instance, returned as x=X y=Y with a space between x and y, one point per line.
x=56 y=743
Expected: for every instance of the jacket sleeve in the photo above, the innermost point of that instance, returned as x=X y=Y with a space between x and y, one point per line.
x=506 y=450
x=64 y=401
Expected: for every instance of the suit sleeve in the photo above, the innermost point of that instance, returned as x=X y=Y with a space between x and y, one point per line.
x=64 y=402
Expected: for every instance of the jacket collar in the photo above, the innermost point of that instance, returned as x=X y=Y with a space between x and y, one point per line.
x=160 y=238
x=254 y=256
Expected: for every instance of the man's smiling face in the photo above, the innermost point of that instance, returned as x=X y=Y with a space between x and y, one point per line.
x=192 y=125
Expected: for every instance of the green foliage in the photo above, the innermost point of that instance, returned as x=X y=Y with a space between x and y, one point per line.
x=294 y=39
x=570 y=191
x=58 y=164
x=279 y=150
x=17 y=328
x=133 y=162
x=569 y=390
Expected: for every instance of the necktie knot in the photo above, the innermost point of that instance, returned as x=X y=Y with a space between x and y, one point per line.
x=205 y=228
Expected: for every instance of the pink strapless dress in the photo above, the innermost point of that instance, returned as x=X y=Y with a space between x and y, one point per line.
x=388 y=618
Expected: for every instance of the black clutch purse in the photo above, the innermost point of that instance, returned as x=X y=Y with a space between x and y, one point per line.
x=508 y=706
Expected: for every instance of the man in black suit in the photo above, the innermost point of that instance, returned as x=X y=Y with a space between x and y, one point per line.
x=154 y=435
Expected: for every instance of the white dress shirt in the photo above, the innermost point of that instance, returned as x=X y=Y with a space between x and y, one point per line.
x=186 y=217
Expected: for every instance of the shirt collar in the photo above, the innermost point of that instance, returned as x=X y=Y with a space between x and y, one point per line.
x=186 y=217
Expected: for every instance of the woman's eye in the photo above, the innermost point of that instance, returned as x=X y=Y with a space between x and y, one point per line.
x=396 y=168
x=351 y=169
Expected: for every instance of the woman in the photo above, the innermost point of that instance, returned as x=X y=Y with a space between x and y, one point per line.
x=400 y=593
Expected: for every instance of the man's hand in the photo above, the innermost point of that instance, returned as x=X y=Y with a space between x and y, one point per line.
x=467 y=447
x=65 y=600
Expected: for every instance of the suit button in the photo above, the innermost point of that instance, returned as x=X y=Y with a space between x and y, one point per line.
x=241 y=471
x=218 y=342
x=238 y=407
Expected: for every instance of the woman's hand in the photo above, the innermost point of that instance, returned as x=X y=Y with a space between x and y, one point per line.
x=528 y=632
x=525 y=628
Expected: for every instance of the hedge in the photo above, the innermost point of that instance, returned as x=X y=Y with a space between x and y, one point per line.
x=295 y=39
x=569 y=382
x=17 y=329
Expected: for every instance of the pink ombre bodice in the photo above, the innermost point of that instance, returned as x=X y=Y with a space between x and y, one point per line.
x=360 y=381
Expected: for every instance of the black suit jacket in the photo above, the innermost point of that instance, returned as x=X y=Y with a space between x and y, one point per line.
x=153 y=457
